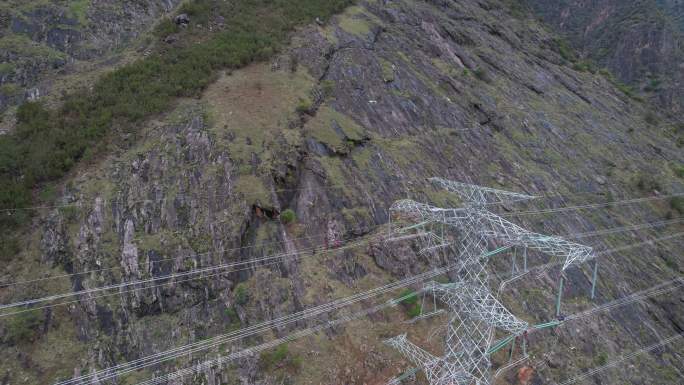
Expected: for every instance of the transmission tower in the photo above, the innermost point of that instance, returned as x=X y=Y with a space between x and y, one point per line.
x=462 y=235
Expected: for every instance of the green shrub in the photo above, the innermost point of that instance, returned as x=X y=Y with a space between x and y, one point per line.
x=233 y=318
x=601 y=359
x=270 y=359
x=288 y=216
x=414 y=311
x=23 y=327
x=166 y=27
x=653 y=85
x=241 y=296
x=410 y=303
x=677 y=204
x=304 y=106
x=651 y=118
x=9 y=247
x=647 y=182
x=199 y=11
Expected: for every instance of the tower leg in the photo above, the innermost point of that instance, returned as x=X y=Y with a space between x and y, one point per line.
x=593 y=280
x=560 y=295
x=513 y=267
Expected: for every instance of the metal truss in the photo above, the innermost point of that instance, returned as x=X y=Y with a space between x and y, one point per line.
x=462 y=236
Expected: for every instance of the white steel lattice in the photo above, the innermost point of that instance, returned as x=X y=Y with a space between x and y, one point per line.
x=462 y=236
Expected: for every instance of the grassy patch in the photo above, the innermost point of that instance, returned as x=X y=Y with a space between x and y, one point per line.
x=355 y=22
x=79 y=9
x=334 y=129
x=387 y=71
x=564 y=50
x=23 y=327
x=280 y=357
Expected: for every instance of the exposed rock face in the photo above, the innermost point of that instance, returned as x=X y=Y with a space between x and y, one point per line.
x=641 y=42
x=353 y=115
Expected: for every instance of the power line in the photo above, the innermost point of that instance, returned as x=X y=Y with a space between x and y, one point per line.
x=623 y=358
x=249 y=351
x=271 y=344
x=188 y=349
x=255 y=329
x=595 y=205
x=567 y=208
x=152 y=263
x=253 y=262
x=653 y=291
x=250 y=264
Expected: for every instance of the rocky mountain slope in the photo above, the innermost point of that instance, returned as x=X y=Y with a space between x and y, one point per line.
x=41 y=40
x=639 y=41
x=356 y=113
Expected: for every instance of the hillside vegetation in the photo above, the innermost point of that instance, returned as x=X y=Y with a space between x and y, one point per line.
x=48 y=143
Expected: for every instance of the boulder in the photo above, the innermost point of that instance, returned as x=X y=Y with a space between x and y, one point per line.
x=183 y=19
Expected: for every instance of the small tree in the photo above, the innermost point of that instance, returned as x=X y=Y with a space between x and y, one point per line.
x=288 y=216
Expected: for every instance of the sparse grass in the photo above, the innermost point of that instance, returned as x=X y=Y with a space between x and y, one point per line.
x=651 y=118
x=678 y=170
x=564 y=49
x=387 y=71
x=481 y=74
x=328 y=87
x=647 y=182
x=280 y=357
x=166 y=27
x=584 y=66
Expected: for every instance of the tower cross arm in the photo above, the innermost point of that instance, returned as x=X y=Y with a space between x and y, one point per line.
x=479 y=195
x=421 y=212
x=500 y=228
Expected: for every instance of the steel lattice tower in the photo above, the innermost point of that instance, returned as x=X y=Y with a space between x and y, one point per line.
x=462 y=236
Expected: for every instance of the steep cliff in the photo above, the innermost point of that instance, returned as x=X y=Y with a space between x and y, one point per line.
x=353 y=114
x=639 y=41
